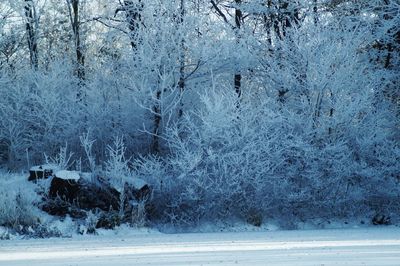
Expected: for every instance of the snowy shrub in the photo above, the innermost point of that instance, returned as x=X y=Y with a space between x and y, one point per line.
x=87 y=145
x=62 y=160
x=41 y=113
x=37 y=110
x=91 y=222
x=18 y=202
x=265 y=159
x=117 y=166
x=117 y=171
x=122 y=178
x=138 y=215
x=4 y=234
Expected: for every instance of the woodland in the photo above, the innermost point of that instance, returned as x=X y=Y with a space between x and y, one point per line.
x=244 y=110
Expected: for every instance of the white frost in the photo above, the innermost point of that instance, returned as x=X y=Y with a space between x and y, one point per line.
x=70 y=175
x=42 y=167
x=138 y=183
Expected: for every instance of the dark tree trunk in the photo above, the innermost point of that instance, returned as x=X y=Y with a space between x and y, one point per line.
x=389 y=55
x=133 y=14
x=237 y=79
x=238 y=25
x=74 y=15
x=267 y=19
x=31 y=22
x=157 y=122
x=315 y=11
x=181 y=82
x=238 y=84
x=80 y=57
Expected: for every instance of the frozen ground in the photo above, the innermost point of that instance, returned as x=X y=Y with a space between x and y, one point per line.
x=366 y=246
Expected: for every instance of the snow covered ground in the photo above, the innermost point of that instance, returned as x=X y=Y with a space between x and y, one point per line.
x=366 y=246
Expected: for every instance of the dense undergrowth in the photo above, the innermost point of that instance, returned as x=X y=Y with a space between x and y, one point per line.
x=312 y=132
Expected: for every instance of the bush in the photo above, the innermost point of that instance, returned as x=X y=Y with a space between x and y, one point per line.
x=262 y=161
x=18 y=201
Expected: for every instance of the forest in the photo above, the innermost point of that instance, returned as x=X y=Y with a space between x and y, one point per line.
x=248 y=110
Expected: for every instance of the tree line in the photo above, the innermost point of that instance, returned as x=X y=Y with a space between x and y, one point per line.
x=218 y=101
